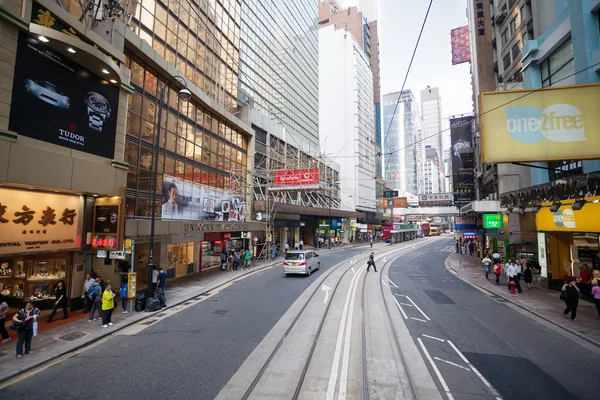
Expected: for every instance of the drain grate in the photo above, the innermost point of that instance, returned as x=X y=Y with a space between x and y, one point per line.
x=220 y=312
x=150 y=322
x=72 y=336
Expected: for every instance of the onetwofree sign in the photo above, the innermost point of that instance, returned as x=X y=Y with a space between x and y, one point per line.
x=297 y=177
x=57 y=101
x=436 y=200
x=30 y=222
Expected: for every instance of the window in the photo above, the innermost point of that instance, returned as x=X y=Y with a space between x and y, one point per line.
x=506 y=61
x=516 y=51
x=559 y=66
x=505 y=37
x=513 y=26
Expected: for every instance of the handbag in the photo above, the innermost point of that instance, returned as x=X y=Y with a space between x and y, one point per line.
x=16 y=326
x=35 y=328
x=563 y=296
x=579 y=294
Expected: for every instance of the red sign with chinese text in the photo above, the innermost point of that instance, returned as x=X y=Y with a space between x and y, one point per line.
x=105 y=242
x=297 y=177
x=461 y=45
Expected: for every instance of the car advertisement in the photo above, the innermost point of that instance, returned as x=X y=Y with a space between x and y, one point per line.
x=56 y=100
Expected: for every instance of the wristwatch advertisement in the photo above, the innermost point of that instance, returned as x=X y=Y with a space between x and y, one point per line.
x=58 y=101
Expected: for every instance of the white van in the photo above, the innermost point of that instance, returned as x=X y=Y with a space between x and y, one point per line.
x=301 y=262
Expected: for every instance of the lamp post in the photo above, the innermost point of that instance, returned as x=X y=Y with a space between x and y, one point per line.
x=184 y=95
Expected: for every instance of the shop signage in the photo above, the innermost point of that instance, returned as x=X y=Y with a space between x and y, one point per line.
x=568 y=220
x=555 y=123
x=436 y=200
x=469 y=235
x=297 y=177
x=106 y=219
x=186 y=200
x=463 y=179
x=390 y=194
x=131 y=284
x=101 y=254
x=58 y=101
x=493 y=221
x=128 y=246
x=541 y=240
x=117 y=255
x=336 y=223
x=567 y=188
x=397 y=202
x=465 y=223
x=32 y=222
x=105 y=242
x=290 y=223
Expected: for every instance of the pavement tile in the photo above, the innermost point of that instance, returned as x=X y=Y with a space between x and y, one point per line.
x=542 y=302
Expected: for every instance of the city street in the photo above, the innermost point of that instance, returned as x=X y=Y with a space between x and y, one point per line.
x=329 y=335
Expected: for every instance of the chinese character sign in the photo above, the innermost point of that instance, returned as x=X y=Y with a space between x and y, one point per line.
x=106 y=242
x=461 y=45
x=32 y=221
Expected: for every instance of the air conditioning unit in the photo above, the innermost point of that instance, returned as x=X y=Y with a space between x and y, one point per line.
x=501 y=16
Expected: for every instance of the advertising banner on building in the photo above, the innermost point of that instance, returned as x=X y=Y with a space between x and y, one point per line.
x=32 y=222
x=493 y=221
x=187 y=200
x=398 y=202
x=436 y=200
x=465 y=223
x=297 y=177
x=556 y=123
x=568 y=220
x=58 y=101
x=463 y=179
x=461 y=45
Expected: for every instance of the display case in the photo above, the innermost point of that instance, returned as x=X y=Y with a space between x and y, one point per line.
x=46 y=270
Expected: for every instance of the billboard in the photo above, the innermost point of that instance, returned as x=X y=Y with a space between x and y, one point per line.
x=465 y=223
x=297 y=177
x=463 y=179
x=436 y=200
x=568 y=220
x=390 y=193
x=556 y=123
x=398 y=202
x=493 y=221
x=57 y=101
x=461 y=45
x=185 y=200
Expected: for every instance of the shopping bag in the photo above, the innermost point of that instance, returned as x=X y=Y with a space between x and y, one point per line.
x=35 y=328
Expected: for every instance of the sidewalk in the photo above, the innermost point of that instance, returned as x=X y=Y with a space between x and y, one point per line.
x=542 y=302
x=62 y=337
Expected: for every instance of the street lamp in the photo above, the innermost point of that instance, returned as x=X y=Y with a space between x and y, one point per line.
x=184 y=95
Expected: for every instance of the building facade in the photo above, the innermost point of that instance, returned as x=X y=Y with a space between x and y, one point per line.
x=431 y=109
x=346 y=116
x=279 y=66
x=432 y=169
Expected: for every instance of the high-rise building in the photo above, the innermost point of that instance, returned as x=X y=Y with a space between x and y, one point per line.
x=431 y=109
x=365 y=32
x=279 y=66
x=403 y=162
x=346 y=115
x=432 y=172
x=370 y=8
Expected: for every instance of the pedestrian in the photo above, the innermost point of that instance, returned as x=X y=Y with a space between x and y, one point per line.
x=123 y=293
x=301 y=244
x=371 y=240
x=585 y=280
x=230 y=260
x=486 y=263
x=519 y=271
x=471 y=248
x=371 y=262
x=154 y=276
x=596 y=294
x=3 y=311
x=236 y=259
x=108 y=306
x=498 y=272
x=87 y=283
x=247 y=256
x=95 y=296
x=26 y=316
x=161 y=285
x=296 y=245
x=60 y=292
x=571 y=297
x=457 y=247
x=537 y=277
x=496 y=257
x=223 y=257
x=528 y=276
x=511 y=273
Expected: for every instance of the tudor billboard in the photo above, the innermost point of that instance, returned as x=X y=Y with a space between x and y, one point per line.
x=555 y=123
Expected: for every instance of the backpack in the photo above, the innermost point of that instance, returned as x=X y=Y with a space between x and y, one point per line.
x=91 y=293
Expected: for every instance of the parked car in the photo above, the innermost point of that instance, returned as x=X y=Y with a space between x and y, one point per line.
x=301 y=262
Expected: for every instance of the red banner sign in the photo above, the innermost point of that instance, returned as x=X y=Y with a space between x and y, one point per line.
x=461 y=45
x=297 y=177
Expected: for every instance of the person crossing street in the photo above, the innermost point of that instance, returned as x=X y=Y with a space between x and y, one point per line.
x=371 y=262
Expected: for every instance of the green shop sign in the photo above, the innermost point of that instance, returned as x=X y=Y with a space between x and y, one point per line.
x=493 y=221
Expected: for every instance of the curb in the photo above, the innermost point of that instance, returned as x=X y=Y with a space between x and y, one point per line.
x=571 y=331
x=121 y=327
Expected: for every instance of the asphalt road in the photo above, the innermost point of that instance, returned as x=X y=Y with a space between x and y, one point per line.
x=520 y=357
x=190 y=355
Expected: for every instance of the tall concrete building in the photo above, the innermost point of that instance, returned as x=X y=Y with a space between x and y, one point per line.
x=279 y=66
x=431 y=172
x=404 y=160
x=365 y=32
x=346 y=115
x=431 y=109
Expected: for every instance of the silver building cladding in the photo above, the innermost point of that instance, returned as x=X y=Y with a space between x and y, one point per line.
x=279 y=66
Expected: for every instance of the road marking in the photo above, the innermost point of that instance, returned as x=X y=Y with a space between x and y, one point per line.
x=401 y=295
x=401 y=309
x=326 y=289
x=384 y=259
x=352 y=262
x=338 y=345
x=435 y=369
x=406 y=304
x=435 y=338
x=385 y=283
x=485 y=381
x=417 y=307
x=418 y=319
x=390 y=281
x=353 y=270
x=451 y=363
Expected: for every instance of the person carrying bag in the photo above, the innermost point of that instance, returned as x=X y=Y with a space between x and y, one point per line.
x=25 y=323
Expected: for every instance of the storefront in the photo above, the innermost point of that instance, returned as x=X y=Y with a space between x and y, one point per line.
x=39 y=235
x=568 y=239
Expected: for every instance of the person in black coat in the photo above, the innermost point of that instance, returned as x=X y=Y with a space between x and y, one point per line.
x=60 y=291
x=572 y=298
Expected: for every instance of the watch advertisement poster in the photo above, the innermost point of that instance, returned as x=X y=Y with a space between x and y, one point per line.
x=56 y=100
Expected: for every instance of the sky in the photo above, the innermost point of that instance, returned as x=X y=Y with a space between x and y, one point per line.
x=400 y=22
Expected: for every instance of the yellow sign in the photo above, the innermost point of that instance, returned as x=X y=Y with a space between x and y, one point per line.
x=556 y=123
x=568 y=220
x=131 y=284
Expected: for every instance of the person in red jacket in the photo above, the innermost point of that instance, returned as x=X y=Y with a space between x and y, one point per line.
x=498 y=272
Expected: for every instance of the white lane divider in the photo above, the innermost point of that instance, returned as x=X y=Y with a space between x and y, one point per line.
x=401 y=309
x=434 y=338
x=390 y=281
x=435 y=369
x=451 y=363
x=417 y=307
x=406 y=304
x=353 y=270
x=418 y=319
x=385 y=283
x=485 y=381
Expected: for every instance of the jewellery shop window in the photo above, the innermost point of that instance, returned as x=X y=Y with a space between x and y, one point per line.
x=34 y=278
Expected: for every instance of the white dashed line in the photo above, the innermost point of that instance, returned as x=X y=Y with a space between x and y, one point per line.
x=417 y=307
x=436 y=370
x=451 y=363
x=485 y=381
x=401 y=309
x=418 y=319
x=434 y=338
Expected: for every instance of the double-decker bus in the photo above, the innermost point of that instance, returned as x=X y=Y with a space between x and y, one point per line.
x=425 y=228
